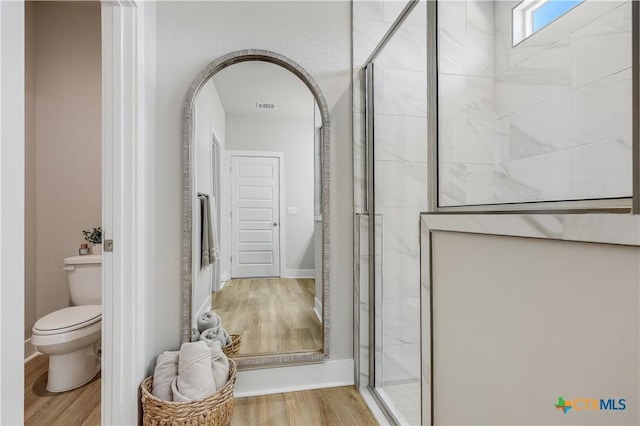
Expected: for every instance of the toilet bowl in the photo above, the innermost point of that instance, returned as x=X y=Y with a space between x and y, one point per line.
x=71 y=338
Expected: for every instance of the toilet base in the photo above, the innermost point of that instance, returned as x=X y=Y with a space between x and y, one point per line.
x=74 y=369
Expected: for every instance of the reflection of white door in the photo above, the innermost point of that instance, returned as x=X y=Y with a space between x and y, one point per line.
x=255 y=216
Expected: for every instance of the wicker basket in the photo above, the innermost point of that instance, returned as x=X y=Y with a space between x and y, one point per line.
x=234 y=347
x=216 y=409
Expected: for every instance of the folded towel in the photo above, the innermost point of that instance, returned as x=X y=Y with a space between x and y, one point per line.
x=195 y=378
x=208 y=320
x=165 y=372
x=219 y=365
x=195 y=334
x=216 y=334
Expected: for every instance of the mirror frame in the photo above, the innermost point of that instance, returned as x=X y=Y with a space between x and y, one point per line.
x=188 y=154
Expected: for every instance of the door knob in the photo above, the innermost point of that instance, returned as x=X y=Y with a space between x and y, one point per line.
x=274 y=224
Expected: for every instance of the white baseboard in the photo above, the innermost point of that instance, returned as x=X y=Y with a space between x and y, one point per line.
x=294 y=378
x=299 y=273
x=318 y=308
x=29 y=350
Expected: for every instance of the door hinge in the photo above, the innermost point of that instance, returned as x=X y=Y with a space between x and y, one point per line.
x=108 y=246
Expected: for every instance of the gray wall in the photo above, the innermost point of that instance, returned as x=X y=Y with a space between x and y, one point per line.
x=192 y=34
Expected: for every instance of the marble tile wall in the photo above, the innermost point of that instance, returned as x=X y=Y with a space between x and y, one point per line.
x=466 y=101
x=563 y=106
x=524 y=123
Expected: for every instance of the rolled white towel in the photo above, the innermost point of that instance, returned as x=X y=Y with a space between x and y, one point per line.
x=214 y=334
x=165 y=372
x=219 y=365
x=195 y=334
x=208 y=320
x=195 y=378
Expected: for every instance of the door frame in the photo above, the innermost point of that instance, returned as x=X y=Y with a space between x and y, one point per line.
x=280 y=155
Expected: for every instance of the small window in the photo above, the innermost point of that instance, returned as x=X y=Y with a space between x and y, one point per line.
x=531 y=16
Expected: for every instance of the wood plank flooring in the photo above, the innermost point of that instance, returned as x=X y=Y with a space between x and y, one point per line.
x=330 y=406
x=80 y=406
x=273 y=315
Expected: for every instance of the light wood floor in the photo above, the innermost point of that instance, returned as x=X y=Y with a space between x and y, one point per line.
x=76 y=407
x=273 y=315
x=331 y=406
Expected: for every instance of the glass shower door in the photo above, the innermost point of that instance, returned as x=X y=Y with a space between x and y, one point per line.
x=397 y=179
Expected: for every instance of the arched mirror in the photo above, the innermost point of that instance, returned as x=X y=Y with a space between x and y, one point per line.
x=256 y=209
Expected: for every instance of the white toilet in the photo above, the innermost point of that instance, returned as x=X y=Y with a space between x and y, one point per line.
x=71 y=336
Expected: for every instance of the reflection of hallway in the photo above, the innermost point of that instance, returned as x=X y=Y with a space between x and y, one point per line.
x=273 y=315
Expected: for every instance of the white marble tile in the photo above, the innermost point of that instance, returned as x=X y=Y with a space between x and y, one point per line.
x=549 y=175
x=400 y=138
x=602 y=170
x=465 y=184
x=465 y=141
x=452 y=96
x=392 y=9
x=401 y=363
x=538 y=129
x=371 y=10
x=465 y=53
x=400 y=319
x=465 y=97
x=401 y=276
x=546 y=74
x=403 y=92
x=592 y=112
x=418 y=16
x=401 y=184
x=366 y=36
x=622 y=103
x=406 y=50
x=557 y=30
x=465 y=38
x=601 y=48
x=400 y=229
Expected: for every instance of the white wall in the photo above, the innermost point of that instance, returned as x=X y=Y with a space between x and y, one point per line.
x=209 y=118
x=189 y=36
x=63 y=140
x=527 y=320
x=12 y=178
x=293 y=137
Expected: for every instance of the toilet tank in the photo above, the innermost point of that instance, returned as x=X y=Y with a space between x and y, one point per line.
x=85 y=279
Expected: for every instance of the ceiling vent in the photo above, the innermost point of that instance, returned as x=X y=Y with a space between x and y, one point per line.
x=260 y=105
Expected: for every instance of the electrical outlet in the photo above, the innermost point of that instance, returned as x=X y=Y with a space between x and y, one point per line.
x=292 y=210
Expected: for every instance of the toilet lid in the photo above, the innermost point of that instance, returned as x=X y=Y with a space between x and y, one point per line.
x=68 y=319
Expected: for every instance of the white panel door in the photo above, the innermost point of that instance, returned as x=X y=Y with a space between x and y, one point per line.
x=255 y=216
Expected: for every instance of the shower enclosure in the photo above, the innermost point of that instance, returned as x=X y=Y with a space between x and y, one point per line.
x=395 y=79
x=472 y=107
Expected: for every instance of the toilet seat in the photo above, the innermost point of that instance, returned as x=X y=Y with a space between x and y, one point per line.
x=68 y=319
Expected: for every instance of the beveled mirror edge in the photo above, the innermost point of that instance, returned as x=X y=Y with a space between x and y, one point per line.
x=187 y=182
